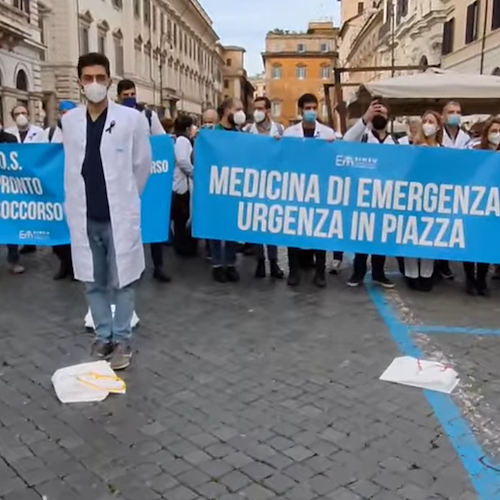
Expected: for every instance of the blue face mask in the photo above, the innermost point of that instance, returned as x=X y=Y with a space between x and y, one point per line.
x=454 y=120
x=130 y=102
x=310 y=115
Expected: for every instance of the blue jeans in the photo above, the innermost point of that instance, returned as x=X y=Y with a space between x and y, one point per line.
x=104 y=290
x=272 y=252
x=223 y=256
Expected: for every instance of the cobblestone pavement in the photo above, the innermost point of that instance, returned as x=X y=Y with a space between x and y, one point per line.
x=238 y=391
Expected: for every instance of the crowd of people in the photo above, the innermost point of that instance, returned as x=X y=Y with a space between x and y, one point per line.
x=103 y=184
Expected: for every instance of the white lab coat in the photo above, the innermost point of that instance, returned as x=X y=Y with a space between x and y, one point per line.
x=156 y=126
x=126 y=160
x=321 y=131
x=359 y=129
x=31 y=136
x=43 y=137
x=461 y=142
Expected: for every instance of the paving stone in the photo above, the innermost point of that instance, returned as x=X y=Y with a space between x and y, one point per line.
x=257 y=492
x=222 y=400
x=298 y=453
x=235 y=481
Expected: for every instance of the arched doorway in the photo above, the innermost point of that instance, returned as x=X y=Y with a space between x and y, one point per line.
x=496 y=71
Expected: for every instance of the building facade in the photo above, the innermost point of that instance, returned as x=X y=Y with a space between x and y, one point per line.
x=169 y=48
x=259 y=85
x=389 y=33
x=22 y=52
x=299 y=63
x=471 y=37
x=236 y=83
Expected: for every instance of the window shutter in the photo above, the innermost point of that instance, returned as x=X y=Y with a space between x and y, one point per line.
x=469 y=28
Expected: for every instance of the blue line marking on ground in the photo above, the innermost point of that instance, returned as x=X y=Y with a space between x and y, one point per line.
x=430 y=329
x=485 y=480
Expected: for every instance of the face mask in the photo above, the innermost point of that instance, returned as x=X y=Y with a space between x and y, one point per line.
x=429 y=129
x=208 y=125
x=494 y=138
x=454 y=120
x=239 y=118
x=130 y=102
x=95 y=92
x=309 y=115
x=22 y=121
x=379 y=122
x=259 y=116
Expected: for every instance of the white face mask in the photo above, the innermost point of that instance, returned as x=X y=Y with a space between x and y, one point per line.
x=494 y=138
x=22 y=121
x=95 y=92
x=429 y=129
x=259 y=116
x=240 y=117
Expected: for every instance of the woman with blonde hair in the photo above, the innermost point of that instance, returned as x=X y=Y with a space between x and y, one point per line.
x=419 y=272
x=475 y=273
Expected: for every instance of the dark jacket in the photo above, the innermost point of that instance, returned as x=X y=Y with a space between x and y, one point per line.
x=6 y=137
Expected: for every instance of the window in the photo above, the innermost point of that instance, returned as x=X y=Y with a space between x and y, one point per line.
x=472 y=22
x=301 y=72
x=326 y=72
x=324 y=47
x=119 y=55
x=301 y=47
x=175 y=35
x=23 y=5
x=101 y=42
x=495 y=16
x=361 y=7
x=185 y=43
x=154 y=18
x=226 y=84
x=276 y=108
x=147 y=12
x=401 y=9
x=118 y=4
x=276 y=73
x=41 y=27
x=229 y=62
x=448 y=36
x=22 y=81
x=137 y=9
x=84 y=40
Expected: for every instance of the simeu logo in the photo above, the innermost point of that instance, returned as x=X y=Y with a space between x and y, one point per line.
x=34 y=235
x=355 y=162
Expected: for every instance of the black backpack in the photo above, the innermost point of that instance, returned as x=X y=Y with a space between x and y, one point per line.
x=52 y=131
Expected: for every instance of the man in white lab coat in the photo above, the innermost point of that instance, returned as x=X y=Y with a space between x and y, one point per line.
x=127 y=96
x=23 y=130
x=25 y=133
x=107 y=164
x=264 y=125
x=372 y=129
x=309 y=126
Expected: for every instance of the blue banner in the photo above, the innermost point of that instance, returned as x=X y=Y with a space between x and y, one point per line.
x=32 y=194
x=434 y=203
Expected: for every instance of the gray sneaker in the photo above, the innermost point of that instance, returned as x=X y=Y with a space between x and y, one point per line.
x=101 y=349
x=120 y=359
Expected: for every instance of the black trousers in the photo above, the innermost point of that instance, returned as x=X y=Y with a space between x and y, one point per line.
x=475 y=272
x=63 y=253
x=360 y=265
x=183 y=242
x=298 y=258
x=157 y=254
